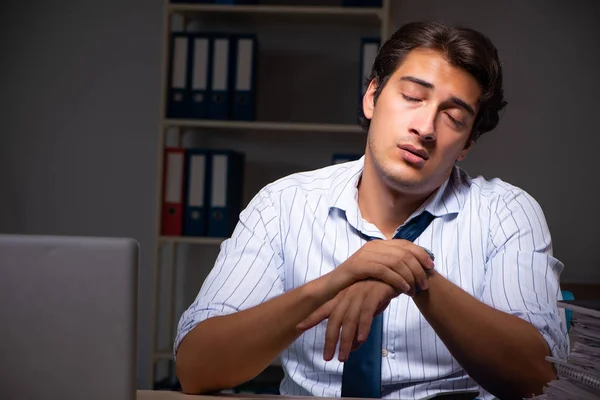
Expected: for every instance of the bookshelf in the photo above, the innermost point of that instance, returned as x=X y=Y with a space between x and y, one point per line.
x=263 y=125
x=328 y=13
x=299 y=11
x=190 y=240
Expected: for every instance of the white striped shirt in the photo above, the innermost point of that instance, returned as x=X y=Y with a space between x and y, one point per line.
x=489 y=237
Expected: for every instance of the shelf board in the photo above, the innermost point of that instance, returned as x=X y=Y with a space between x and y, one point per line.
x=367 y=12
x=263 y=125
x=191 y=240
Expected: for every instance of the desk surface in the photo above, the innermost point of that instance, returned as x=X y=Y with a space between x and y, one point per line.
x=169 y=395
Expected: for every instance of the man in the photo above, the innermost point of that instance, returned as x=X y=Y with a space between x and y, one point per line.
x=316 y=256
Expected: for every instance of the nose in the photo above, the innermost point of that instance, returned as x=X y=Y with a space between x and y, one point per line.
x=423 y=124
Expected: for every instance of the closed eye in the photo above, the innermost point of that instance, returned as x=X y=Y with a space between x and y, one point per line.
x=456 y=122
x=407 y=98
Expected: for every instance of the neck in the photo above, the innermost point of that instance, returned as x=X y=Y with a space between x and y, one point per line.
x=382 y=205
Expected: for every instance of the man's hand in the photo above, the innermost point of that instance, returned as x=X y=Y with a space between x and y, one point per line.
x=397 y=262
x=379 y=271
x=354 y=308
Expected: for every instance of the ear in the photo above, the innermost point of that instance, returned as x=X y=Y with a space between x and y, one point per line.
x=369 y=100
x=465 y=151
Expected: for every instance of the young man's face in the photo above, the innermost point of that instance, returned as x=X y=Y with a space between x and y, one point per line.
x=421 y=122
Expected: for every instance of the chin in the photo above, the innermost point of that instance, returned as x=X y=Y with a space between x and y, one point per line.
x=403 y=180
x=402 y=177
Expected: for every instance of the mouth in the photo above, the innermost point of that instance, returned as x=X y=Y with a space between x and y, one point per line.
x=416 y=151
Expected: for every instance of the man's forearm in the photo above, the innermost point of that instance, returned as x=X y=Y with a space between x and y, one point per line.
x=225 y=351
x=502 y=352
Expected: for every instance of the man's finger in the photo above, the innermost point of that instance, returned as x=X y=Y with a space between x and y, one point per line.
x=422 y=254
x=318 y=315
x=418 y=272
x=383 y=306
x=333 y=328
x=365 y=319
x=425 y=256
x=405 y=272
x=349 y=325
x=390 y=276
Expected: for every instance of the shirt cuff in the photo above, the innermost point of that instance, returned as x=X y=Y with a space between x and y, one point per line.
x=188 y=321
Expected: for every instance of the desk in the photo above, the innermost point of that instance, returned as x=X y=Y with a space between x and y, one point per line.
x=168 y=395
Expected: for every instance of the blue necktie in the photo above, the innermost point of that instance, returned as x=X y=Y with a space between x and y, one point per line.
x=362 y=369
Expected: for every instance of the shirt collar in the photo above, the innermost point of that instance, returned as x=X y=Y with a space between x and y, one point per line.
x=446 y=200
x=344 y=189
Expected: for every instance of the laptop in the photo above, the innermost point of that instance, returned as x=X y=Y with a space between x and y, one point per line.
x=68 y=317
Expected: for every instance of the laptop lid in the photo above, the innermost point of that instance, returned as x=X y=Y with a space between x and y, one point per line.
x=68 y=317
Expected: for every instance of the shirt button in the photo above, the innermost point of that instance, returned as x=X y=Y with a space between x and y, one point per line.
x=384 y=352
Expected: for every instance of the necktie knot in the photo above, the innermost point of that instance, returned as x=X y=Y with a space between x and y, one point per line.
x=413 y=229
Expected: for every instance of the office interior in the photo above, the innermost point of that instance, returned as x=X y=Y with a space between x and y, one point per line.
x=85 y=125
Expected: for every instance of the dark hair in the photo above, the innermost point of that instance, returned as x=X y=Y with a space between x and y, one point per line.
x=462 y=47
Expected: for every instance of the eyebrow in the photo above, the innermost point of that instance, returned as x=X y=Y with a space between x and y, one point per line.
x=429 y=85
x=463 y=104
x=418 y=81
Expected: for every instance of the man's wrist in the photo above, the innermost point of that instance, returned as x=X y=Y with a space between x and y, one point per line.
x=325 y=288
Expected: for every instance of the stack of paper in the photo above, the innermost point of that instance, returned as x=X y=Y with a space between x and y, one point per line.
x=579 y=375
